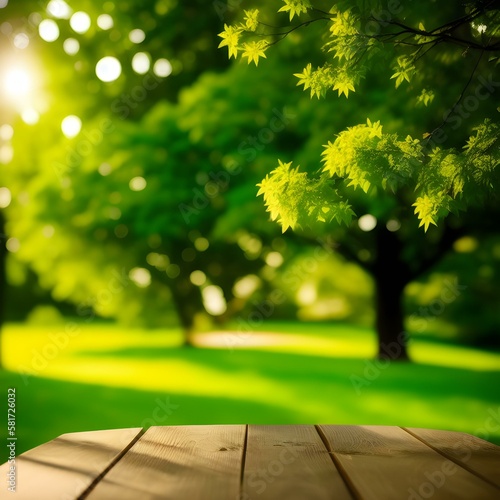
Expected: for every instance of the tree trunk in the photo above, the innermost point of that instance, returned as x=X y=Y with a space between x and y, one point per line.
x=389 y=322
x=391 y=275
x=187 y=300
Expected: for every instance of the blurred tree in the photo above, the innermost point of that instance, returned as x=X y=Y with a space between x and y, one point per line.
x=51 y=52
x=152 y=201
x=142 y=205
x=470 y=312
x=437 y=54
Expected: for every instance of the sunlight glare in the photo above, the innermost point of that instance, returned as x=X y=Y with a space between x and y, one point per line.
x=71 y=126
x=12 y=245
x=59 y=9
x=17 y=83
x=5 y=197
x=6 y=154
x=140 y=276
x=140 y=63
x=6 y=132
x=30 y=116
x=245 y=286
x=274 y=259
x=80 y=22
x=21 y=41
x=162 y=68
x=104 y=169
x=198 y=278
x=213 y=300
x=201 y=244
x=71 y=46
x=48 y=30
x=307 y=294
x=136 y=36
x=137 y=183
x=367 y=222
x=105 y=22
x=108 y=69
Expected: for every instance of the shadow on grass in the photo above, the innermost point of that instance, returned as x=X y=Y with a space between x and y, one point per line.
x=418 y=379
x=305 y=389
x=47 y=408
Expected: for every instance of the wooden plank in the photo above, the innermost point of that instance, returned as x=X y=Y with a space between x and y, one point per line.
x=388 y=463
x=65 y=467
x=290 y=461
x=191 y=462
x=474 y=454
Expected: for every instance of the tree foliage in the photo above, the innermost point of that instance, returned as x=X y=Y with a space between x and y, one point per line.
x=358 y=39
x=81 y=221
x=78 y=218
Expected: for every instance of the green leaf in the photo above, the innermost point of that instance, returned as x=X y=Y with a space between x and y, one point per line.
x=254 y=50
x=230 y=39
x=295 y=7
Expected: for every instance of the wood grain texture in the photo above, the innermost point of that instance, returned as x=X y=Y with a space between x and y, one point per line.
x=290 y=462
x=188 y=462
x=387 y=463
x=476 y=455
x=62 y=469
x=268 y=462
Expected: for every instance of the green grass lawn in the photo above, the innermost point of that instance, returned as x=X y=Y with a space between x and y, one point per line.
x=104 y=377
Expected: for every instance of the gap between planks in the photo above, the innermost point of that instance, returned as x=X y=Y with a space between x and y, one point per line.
x=98 y=478
x=343 y=473
x=243 y=460
x=451 y=458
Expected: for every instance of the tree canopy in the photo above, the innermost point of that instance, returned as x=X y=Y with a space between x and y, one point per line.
x=136 y=152
x=412 y=45
x=153 y=187
x=436 y=158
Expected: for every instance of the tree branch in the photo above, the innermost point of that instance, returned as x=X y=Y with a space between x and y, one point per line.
x=460 y=97
x=335 y=246
x=439 y=35
x=449 y=236
x=284 y=34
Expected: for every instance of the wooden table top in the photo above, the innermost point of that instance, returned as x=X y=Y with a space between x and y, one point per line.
x=259 y=462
